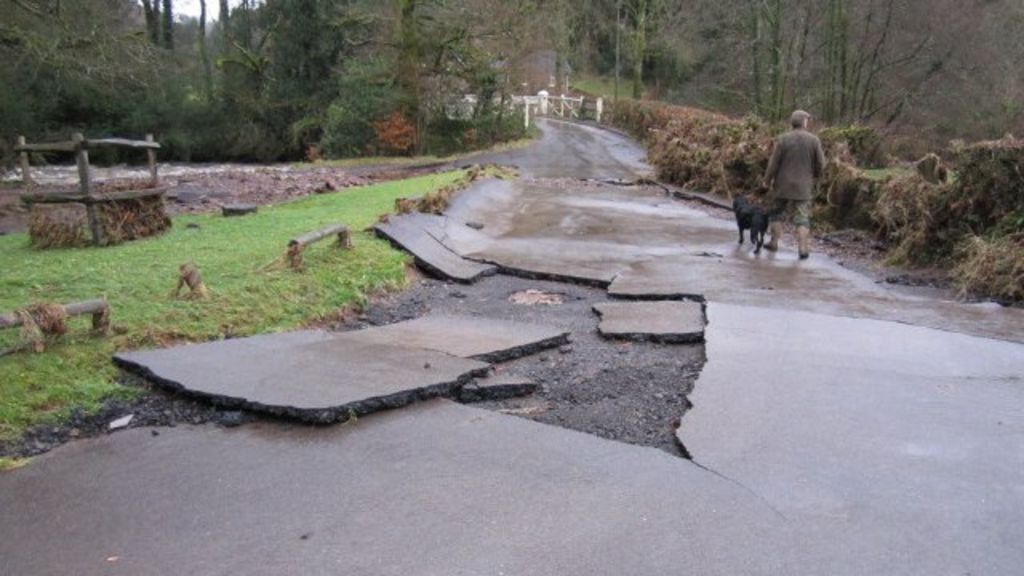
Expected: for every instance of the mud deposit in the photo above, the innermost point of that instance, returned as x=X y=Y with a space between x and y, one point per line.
x=630 y=392
x=152 y=408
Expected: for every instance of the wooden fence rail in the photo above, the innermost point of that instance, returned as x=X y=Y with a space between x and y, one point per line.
x=297 y=245
x=80 y=146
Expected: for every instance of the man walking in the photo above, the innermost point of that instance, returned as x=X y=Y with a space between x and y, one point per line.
x=797 y=162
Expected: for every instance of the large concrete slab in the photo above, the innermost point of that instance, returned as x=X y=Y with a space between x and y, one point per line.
x=486 y=339
x=409 y=232
x=438 y=489
x=671 y=322
x=568 y=230
x=904 y=444
x=313 y=376
x=733 y=275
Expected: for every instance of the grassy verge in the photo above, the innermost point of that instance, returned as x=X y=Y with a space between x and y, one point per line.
x=252 y=292
x=8 y=464
x=603 y=86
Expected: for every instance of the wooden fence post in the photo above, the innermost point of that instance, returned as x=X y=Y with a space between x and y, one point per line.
x=600 y=109
x=82 y=159
x=23 y=160
x=526 y=112
x=151 y=156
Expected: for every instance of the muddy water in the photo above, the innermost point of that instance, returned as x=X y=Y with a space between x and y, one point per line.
x=66 y=175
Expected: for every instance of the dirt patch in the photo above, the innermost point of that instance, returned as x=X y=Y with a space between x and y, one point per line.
x=200 y=189
x=629 y=392
x=534 y=297
x=154 y=408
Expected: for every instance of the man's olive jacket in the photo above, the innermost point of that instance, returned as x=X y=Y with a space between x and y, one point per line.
x=797 y=161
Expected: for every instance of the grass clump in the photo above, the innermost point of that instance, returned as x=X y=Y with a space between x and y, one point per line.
x=992 y=267
x=8 y=464
x=251 y=291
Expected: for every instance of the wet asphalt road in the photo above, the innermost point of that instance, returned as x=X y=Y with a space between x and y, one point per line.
x=827 y=438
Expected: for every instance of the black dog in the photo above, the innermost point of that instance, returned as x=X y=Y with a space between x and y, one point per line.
x=750 y=217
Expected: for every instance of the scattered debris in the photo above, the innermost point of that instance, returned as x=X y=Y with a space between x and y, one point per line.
x=536 y=297
x=121 y=422
x=229 y=210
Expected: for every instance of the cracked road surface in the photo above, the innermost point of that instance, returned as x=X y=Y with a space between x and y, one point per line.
x=838 y=428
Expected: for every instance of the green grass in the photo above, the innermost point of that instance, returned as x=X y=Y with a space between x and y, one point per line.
x=251 y=291
x=8 y=464
x=880 y=174
x=603 y=86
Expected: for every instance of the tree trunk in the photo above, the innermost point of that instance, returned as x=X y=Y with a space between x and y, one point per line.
x=151 y=8
x=168 y=28
x=639 y=47
x=204 y=53
x=408 y=65
x=777 y=70
x=222 y=22
x=757 y=46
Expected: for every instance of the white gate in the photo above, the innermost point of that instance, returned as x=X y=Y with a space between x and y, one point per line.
x=555 y=106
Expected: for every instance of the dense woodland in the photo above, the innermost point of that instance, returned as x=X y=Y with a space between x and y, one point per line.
x=286 y=79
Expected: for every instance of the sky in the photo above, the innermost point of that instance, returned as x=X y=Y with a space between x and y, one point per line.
x=191 y=8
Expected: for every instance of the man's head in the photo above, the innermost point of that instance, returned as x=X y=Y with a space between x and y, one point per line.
x=799 y=119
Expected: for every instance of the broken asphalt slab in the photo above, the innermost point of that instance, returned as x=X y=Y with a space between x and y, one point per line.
x=668 y=322
x=571 y=231
x=436 y=489
x=408 y=233
x=479 y=338
x=497 y=387
x=733 y=275
x=902 y=443
x=313 y=376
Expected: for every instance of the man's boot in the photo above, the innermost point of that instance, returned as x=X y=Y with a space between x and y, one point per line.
x=775 y=229
x=803 y=235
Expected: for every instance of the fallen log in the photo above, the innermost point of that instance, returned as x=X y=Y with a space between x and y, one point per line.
x=94 y=307
x=297 y=245
x=49 y=320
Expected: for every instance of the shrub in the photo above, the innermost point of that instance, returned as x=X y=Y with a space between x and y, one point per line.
x=863 y=143
x=395 y=134
x=989 y=182
x=849 y=196
x=365 y=95
x=699 y=149
x=912 y=214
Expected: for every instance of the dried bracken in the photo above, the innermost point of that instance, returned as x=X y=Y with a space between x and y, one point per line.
x=42 y=322
x=992 y=268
